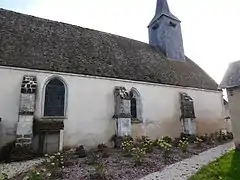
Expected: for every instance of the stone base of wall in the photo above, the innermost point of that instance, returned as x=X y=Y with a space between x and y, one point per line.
x=208 y=126
x=24 y=140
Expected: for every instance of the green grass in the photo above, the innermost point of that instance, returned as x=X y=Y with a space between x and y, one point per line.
x=226 y=167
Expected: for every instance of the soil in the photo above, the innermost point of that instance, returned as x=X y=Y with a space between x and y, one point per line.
x=118 y=167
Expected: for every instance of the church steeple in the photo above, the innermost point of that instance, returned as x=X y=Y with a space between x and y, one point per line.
x=165 y=32
x=162 y=8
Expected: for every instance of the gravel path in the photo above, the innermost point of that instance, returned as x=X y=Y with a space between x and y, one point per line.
x=16 y=168
x=186 y=168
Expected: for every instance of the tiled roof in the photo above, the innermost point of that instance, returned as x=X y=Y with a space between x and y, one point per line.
x=232 y=77
x=31 y=42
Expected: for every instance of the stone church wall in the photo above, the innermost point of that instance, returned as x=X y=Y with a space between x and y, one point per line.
x=90 y=107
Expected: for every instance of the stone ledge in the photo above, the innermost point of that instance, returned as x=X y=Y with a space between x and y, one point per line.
x=122 y=116
x=23 y=140
x=44 y=125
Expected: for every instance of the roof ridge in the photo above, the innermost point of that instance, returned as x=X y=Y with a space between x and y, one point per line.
x=69 y=24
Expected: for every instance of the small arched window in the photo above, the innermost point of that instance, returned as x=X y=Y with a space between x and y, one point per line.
x=133 y=107
x=54 y=98
x=136 y=106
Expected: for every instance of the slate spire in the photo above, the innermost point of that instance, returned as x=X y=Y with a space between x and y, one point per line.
x=165 y=32
x=162 y=8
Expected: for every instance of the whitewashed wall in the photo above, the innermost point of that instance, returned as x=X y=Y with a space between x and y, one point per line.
x=90 y=107
x=234 y=108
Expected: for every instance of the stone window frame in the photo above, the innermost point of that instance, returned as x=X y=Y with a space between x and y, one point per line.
x=139 y=107
x=65 y=98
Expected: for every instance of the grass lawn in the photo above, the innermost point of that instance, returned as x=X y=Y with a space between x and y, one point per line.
x=226 y=167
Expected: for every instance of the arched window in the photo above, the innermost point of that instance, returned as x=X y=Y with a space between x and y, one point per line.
x=133 y=107
x=54 y=98
x=136 y=106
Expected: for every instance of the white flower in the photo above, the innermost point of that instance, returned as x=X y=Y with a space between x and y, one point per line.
x=26 y=178
x=53 y=163
x=49 y=174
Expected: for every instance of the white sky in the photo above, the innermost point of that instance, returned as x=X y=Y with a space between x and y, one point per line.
x=211 y=28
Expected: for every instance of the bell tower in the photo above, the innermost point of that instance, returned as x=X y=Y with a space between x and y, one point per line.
x=165 y=32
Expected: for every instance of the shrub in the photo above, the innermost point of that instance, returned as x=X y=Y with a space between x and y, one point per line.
x=101 y=147
x=93 y=158
x=198 y=142
x=175 y=142
x=81 y=152
x=117 y=141
x=54 y=162
x=190 y=138
x=146 y=143
x=100 y=171
x=209 y=139
x=127 y=147
x=166 y=147
x=34 y=175
x=183 y=144
x=127 y=138
x=138 y=155
x=221 y=135
x=105 y=154
x=52 y=165
x=167 y=139
x=3 y=176
x=148 y=146
x=224 y=134
x=218 y=136
x=230 y=135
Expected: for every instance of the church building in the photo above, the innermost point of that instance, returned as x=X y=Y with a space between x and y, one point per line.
x=64 y=86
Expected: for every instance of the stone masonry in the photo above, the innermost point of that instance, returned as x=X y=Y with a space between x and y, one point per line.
x=122 y=112
x=26 y=111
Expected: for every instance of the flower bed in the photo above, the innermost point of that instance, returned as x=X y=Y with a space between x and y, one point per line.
x=135 y=159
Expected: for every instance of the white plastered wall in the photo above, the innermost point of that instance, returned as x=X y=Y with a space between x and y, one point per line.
x=90 y=106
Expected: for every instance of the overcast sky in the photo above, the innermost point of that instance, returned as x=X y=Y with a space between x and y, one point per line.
x=211 y=28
